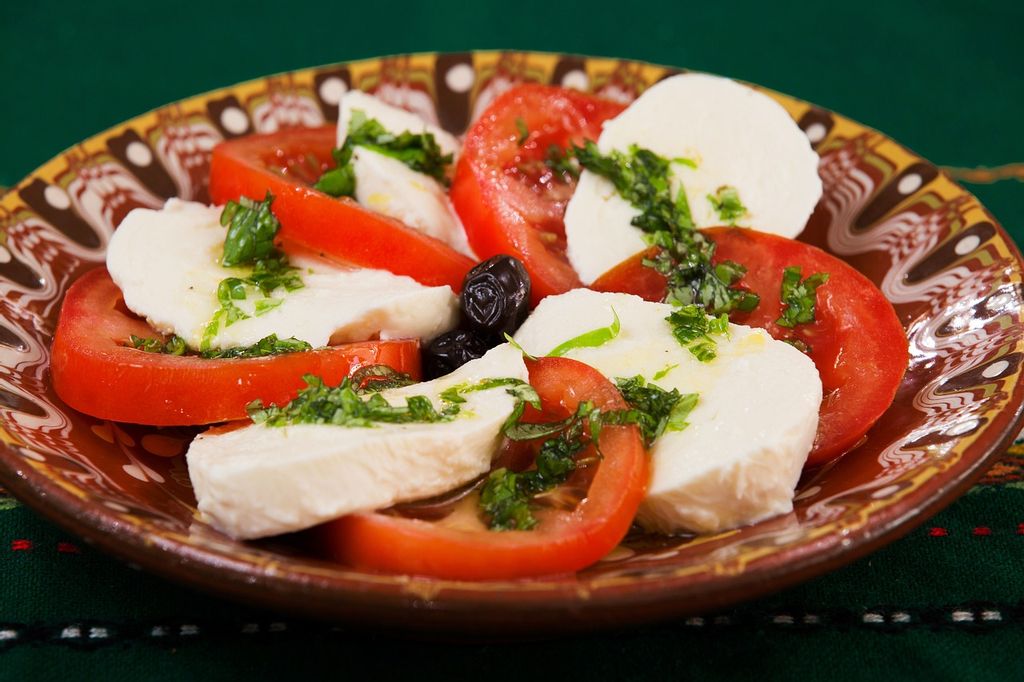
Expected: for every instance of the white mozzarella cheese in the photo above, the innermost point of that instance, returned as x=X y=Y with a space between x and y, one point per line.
x=394 y=119
x=166 y=265
x=735 y=135
x=388 y=186
x=259 y=480
x=739 y=459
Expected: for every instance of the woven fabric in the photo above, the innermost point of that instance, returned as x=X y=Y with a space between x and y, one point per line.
x=943 y=77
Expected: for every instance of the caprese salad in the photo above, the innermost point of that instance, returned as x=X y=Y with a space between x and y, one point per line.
x=613 y=320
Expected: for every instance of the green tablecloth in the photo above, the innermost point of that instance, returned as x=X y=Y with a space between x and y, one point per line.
x=945 y=79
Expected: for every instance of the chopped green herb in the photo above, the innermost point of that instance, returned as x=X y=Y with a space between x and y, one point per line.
x=524 y=132
x=653 y=409
x=268 y=345
x=418 y=151
x=345 y=404
x=562 y=163
x=251 y=230
x=250 y=244
x=683 y=161
x=507 y=496
x=664 y=372
x=379 y=378
x=592 y=339
x=642 y=178
x=799 y=296
x=693 y=329
x=173 y=346
x=726 y=201
x=799 y=344
x=512 y=342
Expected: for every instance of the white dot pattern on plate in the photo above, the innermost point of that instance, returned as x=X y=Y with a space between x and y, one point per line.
x=961 y=428
x=138 y=154
x=967 y=244
x=909 y=183
x=576 y=79
x=332 y=89
x=234 y=120
x=995 y=369
x=57 y=197
x=815 y=132
x=460 y=78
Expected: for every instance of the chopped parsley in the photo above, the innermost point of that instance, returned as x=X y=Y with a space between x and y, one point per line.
x=268 y=345
x=173 y=346
x=799 y=296
x=506 y=497
x=524 y=132
x=726 y=201
x=348 y=405
x=418 y=151
x=693 y=329
x=251 y=230
x=561 y=163
x=250 y=244
x=379 y=378
x=592 y=339
x=664 y=372
x=642 y=178
x=652 y=408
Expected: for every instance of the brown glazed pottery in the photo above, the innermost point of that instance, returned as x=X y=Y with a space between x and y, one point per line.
x=950 y=270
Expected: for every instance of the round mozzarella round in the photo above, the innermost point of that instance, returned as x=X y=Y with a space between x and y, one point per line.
x=739 y=459
x=734 y=135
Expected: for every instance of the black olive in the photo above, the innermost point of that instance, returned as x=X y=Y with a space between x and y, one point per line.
x=451 y=351
x=496 y=297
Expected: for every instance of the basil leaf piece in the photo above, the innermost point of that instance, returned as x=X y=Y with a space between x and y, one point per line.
x=592 y=339
x=653 y=409
x=684 y=255
x=726 y=201
x=418 y=151
x=692 y=328
x=799 y=296
x=251 y=230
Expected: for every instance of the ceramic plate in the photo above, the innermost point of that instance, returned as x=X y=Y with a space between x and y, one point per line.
x=952 y=273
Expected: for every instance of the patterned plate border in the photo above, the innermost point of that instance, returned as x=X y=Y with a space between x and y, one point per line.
x=950 y=269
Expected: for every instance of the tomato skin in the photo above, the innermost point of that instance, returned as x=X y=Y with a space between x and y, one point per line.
x=284 y=164
x=93 y=372
x=505 y=211
x=564 y=541
x=857 y=342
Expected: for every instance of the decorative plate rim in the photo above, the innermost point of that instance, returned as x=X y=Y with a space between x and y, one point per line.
x=367 y=596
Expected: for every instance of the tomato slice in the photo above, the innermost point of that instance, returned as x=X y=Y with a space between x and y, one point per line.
x=856 y=341
x=563 y=541
x=286 y=163
x=95 y=373
x=508 y=199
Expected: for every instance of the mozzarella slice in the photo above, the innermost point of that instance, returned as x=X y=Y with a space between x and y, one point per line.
x=394 y=120
x=388 y=186
x=166 y=265
x=260 y=480
x=734 y=134
x=739 y=459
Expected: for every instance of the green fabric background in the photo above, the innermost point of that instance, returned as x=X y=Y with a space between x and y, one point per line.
x=942 y=77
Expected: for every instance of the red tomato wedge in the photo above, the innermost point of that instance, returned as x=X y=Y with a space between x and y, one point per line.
x=95 y=373
x=856 y=341
x=508 y=199
x=286 y=164
x=563 y=541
